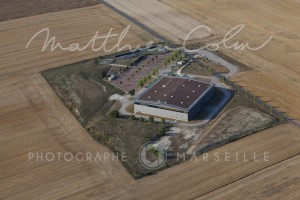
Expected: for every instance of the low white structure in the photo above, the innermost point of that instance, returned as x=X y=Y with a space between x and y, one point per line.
x=112 y=77
x=180 y=63
x=161 y=112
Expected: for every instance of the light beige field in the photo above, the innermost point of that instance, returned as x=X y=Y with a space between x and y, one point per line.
x=276 y=72
x=73 y=26
x=32 y=118
x=198 y=178
x=168 y=22
x=277 y=182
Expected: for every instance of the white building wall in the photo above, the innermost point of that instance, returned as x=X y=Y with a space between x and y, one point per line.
x=161 y=112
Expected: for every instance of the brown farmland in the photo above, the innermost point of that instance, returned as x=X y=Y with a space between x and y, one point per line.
x=34 y=119
x=14 y=9
x=275 y=182
x=74 y=26
x=198 y=178
x=276 y=71
x=163 y=19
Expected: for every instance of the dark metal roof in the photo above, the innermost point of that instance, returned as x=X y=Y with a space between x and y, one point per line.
x=174 y=92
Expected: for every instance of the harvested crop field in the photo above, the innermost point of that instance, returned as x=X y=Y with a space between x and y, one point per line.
x=168 y=22
x=275 y=182
x=74 y=26
x=34 y=119
x=200 y=177
x=276 y=72
x=14 y=9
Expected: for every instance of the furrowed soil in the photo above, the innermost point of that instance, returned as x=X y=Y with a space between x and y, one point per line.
x=275 y=74
x=68 y=27
x=14 y=9
x=34 y=119
x=163 y=19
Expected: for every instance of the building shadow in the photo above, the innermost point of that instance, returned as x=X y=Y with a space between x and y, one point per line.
x=215 y=105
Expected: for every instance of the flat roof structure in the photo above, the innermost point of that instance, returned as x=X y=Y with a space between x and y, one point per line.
x=174 y=93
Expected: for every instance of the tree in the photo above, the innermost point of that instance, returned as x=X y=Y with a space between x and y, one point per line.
x=173 y=57
x=168 y=60
x=151 y=119
x=132 y=92
x=141 y=83
x=163 y=120
x=174 y=54
x=153 y=72
x=114 y=114
x=102 y=73
x=165 y=62
x=142 y=119
x=132 y=117
x=179 y=57
x=161 y=132
x=149 y=76
x=145 y=79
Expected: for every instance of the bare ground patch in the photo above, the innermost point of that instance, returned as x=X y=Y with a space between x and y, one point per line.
x=234 y=124
x=81 y=86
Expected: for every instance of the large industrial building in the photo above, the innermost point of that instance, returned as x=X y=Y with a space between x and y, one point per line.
x=175 y=98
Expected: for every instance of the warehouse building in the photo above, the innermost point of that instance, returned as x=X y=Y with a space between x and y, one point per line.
x=175 y=98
